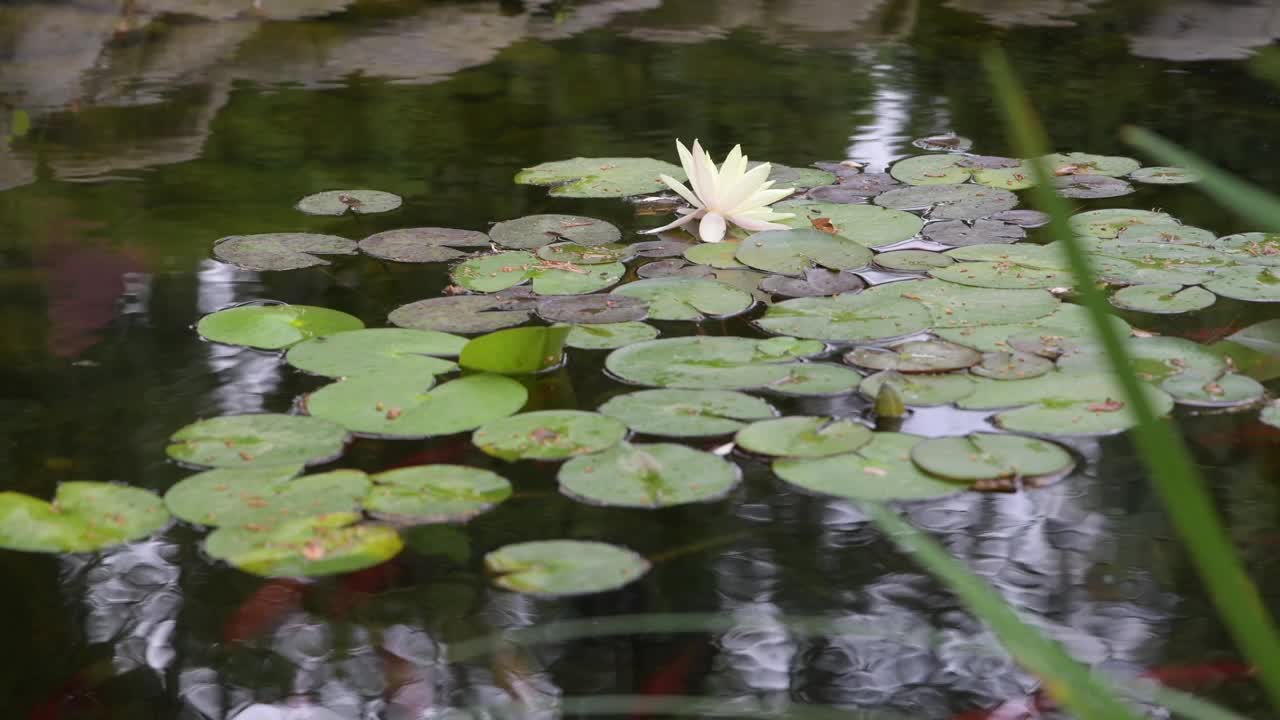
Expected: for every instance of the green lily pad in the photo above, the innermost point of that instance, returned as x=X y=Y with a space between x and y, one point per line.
x=1250 y=284
x=1154 y=358
x=920 y=389
x=912 y=261
x=686 y=413
x=517 y=351
x=1053 y=389
x=1254 y=248
x=866 y=185
x=815 y=379
x=83 y=517
x=1011 y=366
x=593 y=309
x=949 y=142
x=950 y=202
x=710 y=363
x=803 y=437
x=406 y=405
x=784 y=176
x=1111 y=222
x=931 y=170
x=1077 y=417
x=685 y=298
x=1078 y=163
x=1162 y=299
x=866 y=225
x=862 y=317
x=465 y=314
x=958 y=233
x=792 y=252
x=586 y=254
x=376 y=350
x=280 y=251
x=1018 y=177
x=987 y=456
x=1032 y=256
x=549 y=435
x=1090 y=187
x=423 y=244
x=308 y=547
x=1157 y=175
x=1137 y=263
x=356 y=202
x=954 y=305
x=600 y=177
x=1067 y=323
x=880 y=470
x=264 y=497
x=916 y=356
x=236 y=441
x=434 y=494
x=1229 y=390
x=558 y=568
x=1002 y=276
x=1059 y=403
x=1270 y=415
x=609 y=336
x=816 y=282
x=499 y=271
x=719 y=255
x=1168 y=234
x=648 y=476
x=534 y=231
x=273 y=327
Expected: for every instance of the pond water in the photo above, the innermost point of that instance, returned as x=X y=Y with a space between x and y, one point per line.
x=154 y=131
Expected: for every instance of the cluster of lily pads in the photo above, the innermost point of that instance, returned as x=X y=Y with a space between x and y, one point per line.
x=913 y=283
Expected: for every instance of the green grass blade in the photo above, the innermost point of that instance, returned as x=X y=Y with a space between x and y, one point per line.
x=1068 y=681
x=1173 y=472
x=1247 y=200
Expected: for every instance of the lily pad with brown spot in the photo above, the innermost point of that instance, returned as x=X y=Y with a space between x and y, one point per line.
x=648 y=476
x=803 y=437
x=83 y=517
x=687 y=413
x=549 y=435
x=434 y=494
x=259 y=440
x=263 y=497
x=312 y=546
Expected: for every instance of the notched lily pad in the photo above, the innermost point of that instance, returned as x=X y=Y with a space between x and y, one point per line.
x=259 y=440
x=803 y=437
x=913 y=261
x=407 y=406
x=1162 y=299
x=861 y=317
x=434 y=494
x=609 y=336
x=668 y=245
x=312 y=546
x=958 y=233
x=684 y=298
x=83 y=517
x=947 y=142
x=792 y=252
x=1250 y=284
x=867 y=184
x=1227 y=390
x=1112 y=221
x=557 y=568
x=817 y=282
x=716 y=255
x=1011 y=365
x=1254 y=248
x=880 y=470
x=423 y=244
x=534 y=231
x=931 y=170
x=866 y=225
x=1078 y=163
x=600 y=177
x=713 y=363
x=1002 y=275
x=499 y=271
x=516 y=351
x=549 y=435
x=377 y=350
x=950 y=202
x=987 y=458
x=916 y=356
x=1158 y=175
x=815 y=379
x=1088 y=187
x=1023 y=218
x=273 y=327
x=341 y=202
x=920 y=389
x=686 y=413
x=593 y=309
x=463 y=314
x=280 y=251
x=954 y=305
x=648 y=476
x=1168 y=234
x=259 y=498
x=568 y=252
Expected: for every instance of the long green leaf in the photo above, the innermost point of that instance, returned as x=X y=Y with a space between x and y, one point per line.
x=1250 y=201
x=1173 y=472
x=1069 y=682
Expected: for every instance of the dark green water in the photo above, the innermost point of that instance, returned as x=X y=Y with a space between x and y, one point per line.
x=153 y=135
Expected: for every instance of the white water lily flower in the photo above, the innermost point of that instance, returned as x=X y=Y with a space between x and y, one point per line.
x=730 y=194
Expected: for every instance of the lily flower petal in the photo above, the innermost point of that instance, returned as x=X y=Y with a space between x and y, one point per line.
x=681 y=190
x=684 y=220
x=726 y=194
x=712 y=227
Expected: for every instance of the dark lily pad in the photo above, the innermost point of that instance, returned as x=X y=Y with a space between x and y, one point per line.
x=273 y=327
x=803 y=437
x=686 y=413
x=516 y=351
x=987 y=457
x=716 y=255
x=423 y=244
x=684 y=298
x=1162 y=299
x=947 y=142
x=375 y=351
x=558 y=568
x=600 y=177
x=1011 y=366
x=573 y=253
x=958 y=233
x=880 y=470
x=1088 y=187
x=406 y=405
x=727 y=363
x=950 y=202
x=1250 y=284
x=280 y=251
x=793 y=252
x=866 y=225
x=434 y=494
x=668 y=245
x=534 y=231
x=549 y=435
x=867 y=184
x=672 y=268
x=1169 y=234
x=862 y=317
x=1002 y=275
x=593 y=309
x=913 y=261
x=1022 y=218
x=816 y=282
x=1254 y=248
x=465 y=314
x=916 y=356
x=815 y=379
x=609 y=336
x=499 y=271
x=260 y=498
x=312 y=546
x=341 y=202
x=1112 y=221
x=1228 y=390
x=1164 y=175
x=1078 y=163
x=840 y=194
x=235 y=441
x=920 y=389
x=83 y=517
x=931 y=170
x=648 y=476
